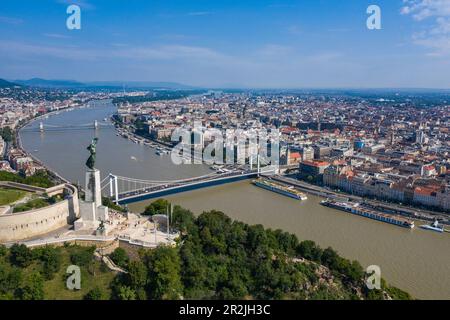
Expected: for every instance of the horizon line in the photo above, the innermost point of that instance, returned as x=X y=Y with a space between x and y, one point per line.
x=237 y=87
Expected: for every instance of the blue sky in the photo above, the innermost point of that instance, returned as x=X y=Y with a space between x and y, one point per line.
x=249 y=43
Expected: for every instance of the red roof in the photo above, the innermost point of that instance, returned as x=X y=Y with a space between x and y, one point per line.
x=295 y=155
x=316 y=163
x=288 y=130
x=424 y=191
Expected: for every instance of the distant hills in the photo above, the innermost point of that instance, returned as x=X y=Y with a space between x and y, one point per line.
x=7 y=84
x=72 y=84
x=43 y=83
x=140 y=84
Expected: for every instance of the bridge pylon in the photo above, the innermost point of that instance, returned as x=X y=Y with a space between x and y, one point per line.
x=258 y=164
x=113 y=188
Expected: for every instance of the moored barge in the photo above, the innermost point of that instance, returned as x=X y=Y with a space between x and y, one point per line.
x=278 y=188
x=356 y=208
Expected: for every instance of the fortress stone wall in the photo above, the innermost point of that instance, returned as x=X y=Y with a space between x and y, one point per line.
x=23 y=225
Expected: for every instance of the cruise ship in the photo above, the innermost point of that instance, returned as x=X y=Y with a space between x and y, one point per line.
x=278 y=188
x=433 y=227
x=355 y=208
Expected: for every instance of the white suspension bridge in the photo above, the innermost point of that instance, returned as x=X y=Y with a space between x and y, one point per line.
x=123 y=190
x=49 y=127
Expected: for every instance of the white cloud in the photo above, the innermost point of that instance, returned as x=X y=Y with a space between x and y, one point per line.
x=20 y=49
x=276 y=51
x=168 y=52
x=55 y=35
x=10 y=20
x=200 y=13
x=436 y=37
x=165 y=52
x=442 y=26
x=423 y=9
x=265 y=66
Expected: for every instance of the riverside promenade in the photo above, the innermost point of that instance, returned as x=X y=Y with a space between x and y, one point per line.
x=414 y=213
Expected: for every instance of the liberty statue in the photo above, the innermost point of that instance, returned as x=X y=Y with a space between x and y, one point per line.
x=91 y=160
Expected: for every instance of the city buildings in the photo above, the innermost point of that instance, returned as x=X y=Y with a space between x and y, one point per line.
x=392 y=149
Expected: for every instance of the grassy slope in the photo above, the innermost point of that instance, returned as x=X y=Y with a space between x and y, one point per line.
x=32 y=204
x=97 y=276
x=8 y=196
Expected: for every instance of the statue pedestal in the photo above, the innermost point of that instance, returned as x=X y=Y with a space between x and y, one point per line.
x=93 y=189
x=91 y=209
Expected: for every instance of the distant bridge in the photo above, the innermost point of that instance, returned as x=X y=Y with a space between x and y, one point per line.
x=49 y=127
x=123 y=190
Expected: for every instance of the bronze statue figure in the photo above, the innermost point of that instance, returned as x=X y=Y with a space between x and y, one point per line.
x=91 y=160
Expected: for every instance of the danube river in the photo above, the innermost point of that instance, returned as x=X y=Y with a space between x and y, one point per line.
x=417 y=261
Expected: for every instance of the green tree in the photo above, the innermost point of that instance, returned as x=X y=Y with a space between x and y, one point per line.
x=137 y=274
x=257 y=239
x=51 y=259
x=159 y=206
x=354 y=271
x=10 y=280
x=325 y=293
x=94 y=294
x=234 y=288
x=398 y=294
x=7 y=134
x=3 y=250
x=107 y=202
x=164 y=267
x=20 y=255
x=330 y=258
x=309 y=250
x=374 y=294
x=286 y=241
x=126 y=293
x=39 y=179
x=120 y=257
x=33 y=287
x=195 y=272
x=182 y=219
x=213 y=227
x=82 y=256
x=141 y=127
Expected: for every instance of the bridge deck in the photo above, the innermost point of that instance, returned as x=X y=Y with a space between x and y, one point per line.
x=164 y=191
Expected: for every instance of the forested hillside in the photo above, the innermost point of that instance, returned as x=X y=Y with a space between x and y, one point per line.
x=215 y=258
